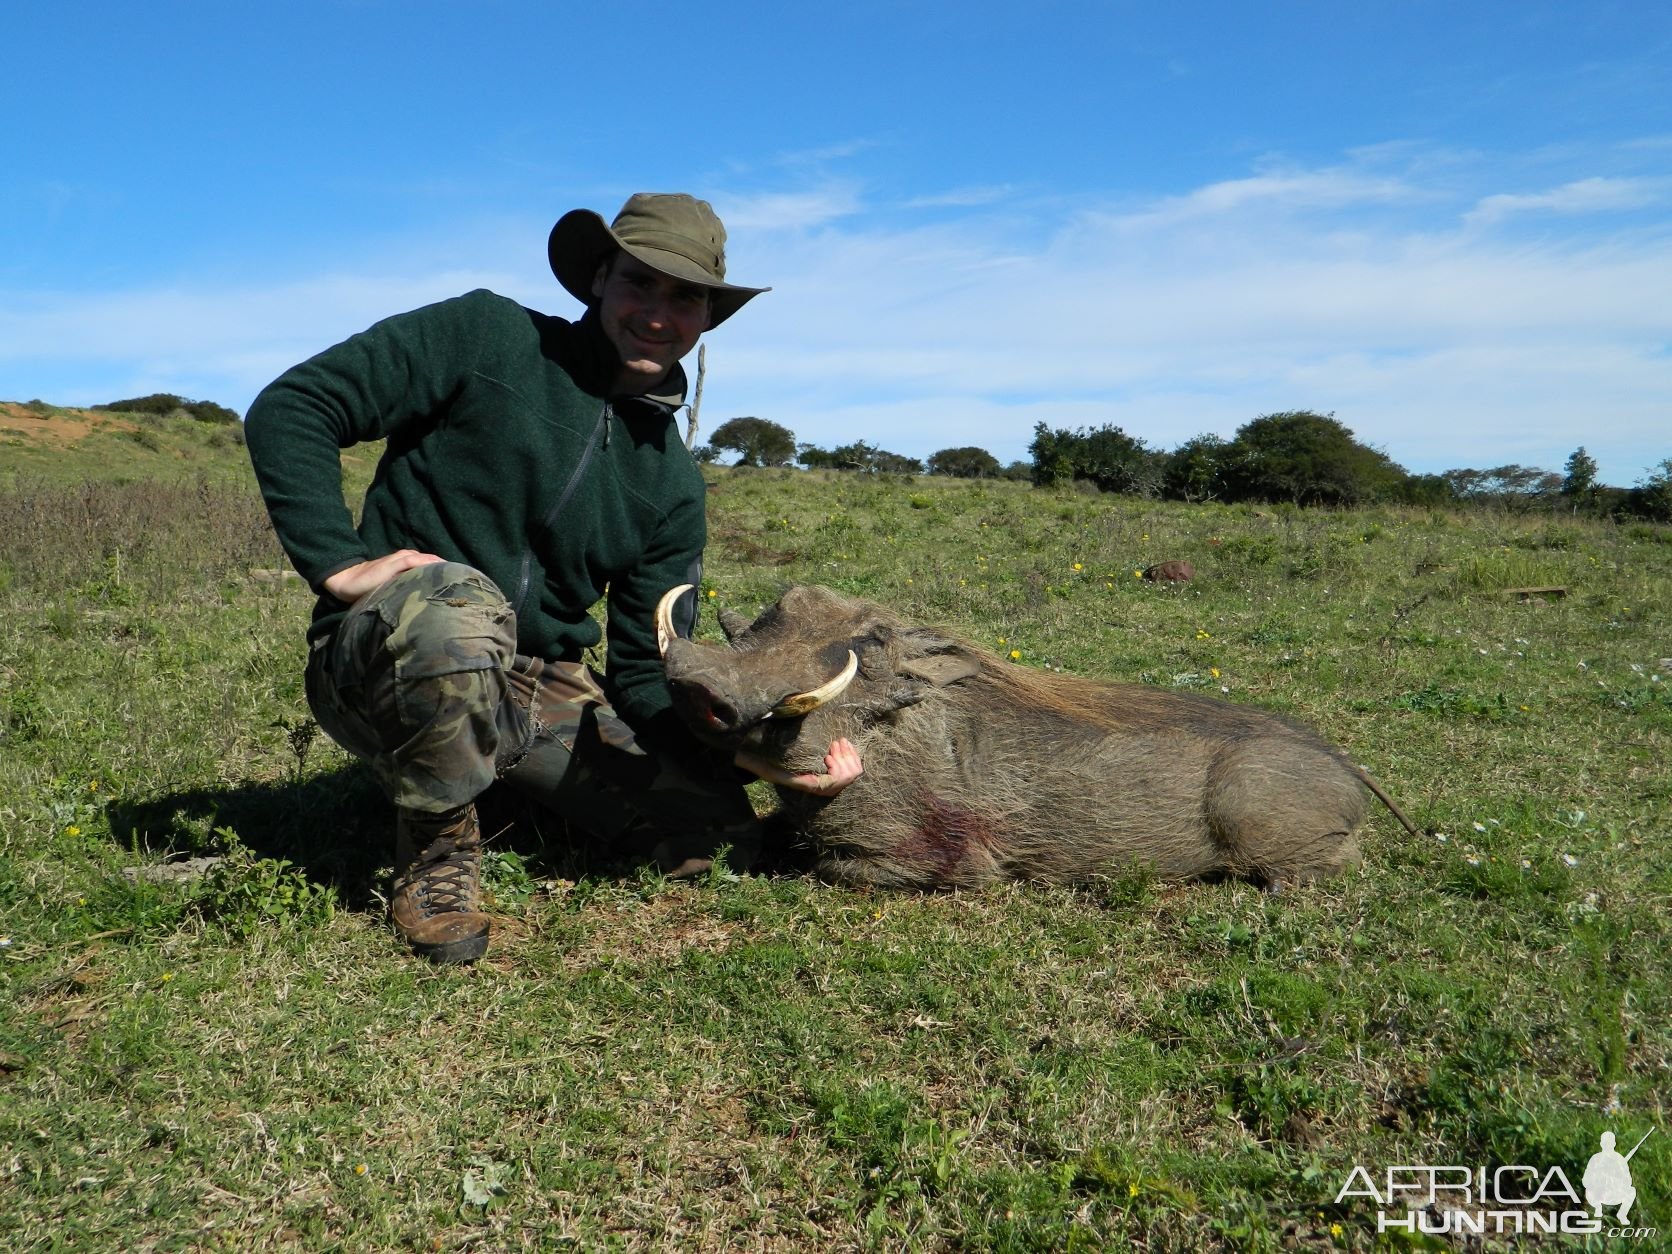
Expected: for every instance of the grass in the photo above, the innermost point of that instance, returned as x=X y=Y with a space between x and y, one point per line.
x=247 y=1060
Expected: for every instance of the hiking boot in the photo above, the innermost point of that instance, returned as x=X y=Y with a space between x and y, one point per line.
x=436 y=903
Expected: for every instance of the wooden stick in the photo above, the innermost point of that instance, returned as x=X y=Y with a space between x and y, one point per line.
x=696 y=397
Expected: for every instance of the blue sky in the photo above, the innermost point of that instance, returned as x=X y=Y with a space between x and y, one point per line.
x=1446 y=223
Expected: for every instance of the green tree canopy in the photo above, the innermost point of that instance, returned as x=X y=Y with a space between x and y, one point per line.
x=1512 y=486
x=869 y=459
x=1309 y=459
x=815 y=458
x=757 y=441
x=1195 y=470
x=965 y=463
x=1579 y=478
x=1652 y=497
x=1106 y=456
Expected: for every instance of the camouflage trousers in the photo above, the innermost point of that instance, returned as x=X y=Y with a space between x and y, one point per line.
x=422 y=680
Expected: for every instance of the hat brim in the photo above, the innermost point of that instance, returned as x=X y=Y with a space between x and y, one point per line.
x=580 y=240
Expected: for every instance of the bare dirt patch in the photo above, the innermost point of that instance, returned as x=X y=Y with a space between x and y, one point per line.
x=62 y=428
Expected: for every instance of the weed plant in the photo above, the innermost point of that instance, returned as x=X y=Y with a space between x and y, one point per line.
x=247 y=1059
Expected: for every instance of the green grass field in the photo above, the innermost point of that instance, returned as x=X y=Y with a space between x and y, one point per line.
x=249 y=1060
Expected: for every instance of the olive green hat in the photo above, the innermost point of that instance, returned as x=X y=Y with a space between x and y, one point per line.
x=676 y=234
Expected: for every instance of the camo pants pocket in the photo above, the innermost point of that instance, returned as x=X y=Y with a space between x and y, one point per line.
x=412 y=681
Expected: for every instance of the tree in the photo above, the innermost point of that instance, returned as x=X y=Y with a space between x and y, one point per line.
x=815 y=458
x=1512 y=486
x=1579 y=479
x=1652 y=497
x=869 y=459
x=1053 y=461
x=1195 y=470
x=758 y=441
x=1309 y=459
x=1106 y=456
x=965 y=463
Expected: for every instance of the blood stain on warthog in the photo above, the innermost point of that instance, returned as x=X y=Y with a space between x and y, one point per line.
x=943 y=836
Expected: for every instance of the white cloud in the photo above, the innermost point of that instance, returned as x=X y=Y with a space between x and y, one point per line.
x=787 y=211
x=1592 y=195
x=1338 y=289
x=962 y=197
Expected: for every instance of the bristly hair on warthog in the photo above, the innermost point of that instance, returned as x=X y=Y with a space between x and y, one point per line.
x=977 y=769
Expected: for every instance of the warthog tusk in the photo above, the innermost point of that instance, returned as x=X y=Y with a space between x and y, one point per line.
x=664 y=617
x=806 y=702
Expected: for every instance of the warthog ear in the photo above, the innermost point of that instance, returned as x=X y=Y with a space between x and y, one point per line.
x=935 y=659
x=733 y=624
x=941 y=669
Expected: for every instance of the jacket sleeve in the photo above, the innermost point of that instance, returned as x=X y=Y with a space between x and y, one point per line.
x=638 y=686
x=365 y=388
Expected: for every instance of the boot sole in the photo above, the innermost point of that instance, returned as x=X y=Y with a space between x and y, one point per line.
x=449 y=953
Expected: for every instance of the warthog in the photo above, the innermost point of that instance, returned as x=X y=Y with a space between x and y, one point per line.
x=978 y=769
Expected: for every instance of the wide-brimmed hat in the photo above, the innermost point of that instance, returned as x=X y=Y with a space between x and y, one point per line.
x=669 y=231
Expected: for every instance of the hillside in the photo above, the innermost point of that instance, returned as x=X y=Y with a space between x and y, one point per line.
x=53 y=444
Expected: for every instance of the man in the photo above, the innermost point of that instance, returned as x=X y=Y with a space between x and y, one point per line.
x=533 y=468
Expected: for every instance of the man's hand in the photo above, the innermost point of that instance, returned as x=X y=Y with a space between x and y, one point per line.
x=841 y=765
x=349 y=585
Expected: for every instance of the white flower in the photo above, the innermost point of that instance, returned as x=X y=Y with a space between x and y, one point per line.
x=1526 y=865
x=1472 y=860
x=1479 y=827
x=1570 y=859
x=1441 y=837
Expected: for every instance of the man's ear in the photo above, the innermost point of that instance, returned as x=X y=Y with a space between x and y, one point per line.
x=598 y=278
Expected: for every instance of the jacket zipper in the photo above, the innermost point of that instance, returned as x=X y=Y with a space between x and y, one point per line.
x=601 y=427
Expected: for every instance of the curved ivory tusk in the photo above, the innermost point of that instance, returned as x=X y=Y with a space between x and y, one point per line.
x=806 y=702
x=664 y=617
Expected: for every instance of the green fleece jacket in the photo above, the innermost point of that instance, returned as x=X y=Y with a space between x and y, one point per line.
x=505 y=452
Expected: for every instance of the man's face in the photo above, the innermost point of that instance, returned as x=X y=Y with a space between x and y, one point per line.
x=651 y=319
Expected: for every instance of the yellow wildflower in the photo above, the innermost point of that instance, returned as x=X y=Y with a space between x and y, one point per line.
x=1077 y=566
x=1132 y=1189
x=1335 y=1230
x=1015 y=655
x=359 y=1169
x=1214 y=671
x=712 y=594
x=72 y=830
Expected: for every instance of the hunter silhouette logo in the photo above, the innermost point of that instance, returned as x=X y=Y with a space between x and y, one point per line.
x=1607 y=1178
x=1511 y=1199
